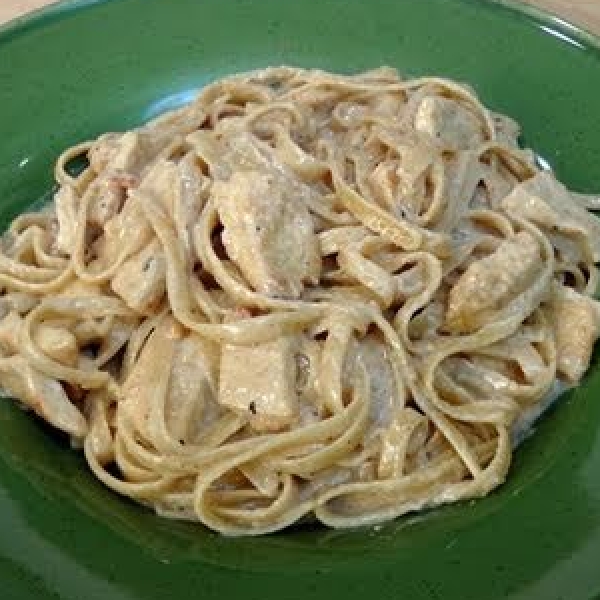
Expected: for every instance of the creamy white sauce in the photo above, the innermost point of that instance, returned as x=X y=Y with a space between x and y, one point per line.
x=524 y=426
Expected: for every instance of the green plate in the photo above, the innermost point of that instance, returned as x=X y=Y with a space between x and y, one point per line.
x=78 y=69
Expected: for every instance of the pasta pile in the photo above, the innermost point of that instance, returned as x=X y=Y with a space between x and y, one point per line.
x=303 y=295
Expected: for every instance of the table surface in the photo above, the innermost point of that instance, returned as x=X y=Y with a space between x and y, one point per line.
x=585 y=13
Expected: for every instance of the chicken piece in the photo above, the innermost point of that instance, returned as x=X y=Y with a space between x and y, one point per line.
x=546 y=202
x=189 y=198
x=45 y=396
x=448 y=122
x=191 y=398
x=372 y=354
x=103 y=150
x=127 y=229
x=307 y=357
x=260 y=381
x=105 y=202
x=400 y=184
x=148 y=381
x=141 y=280
x=58 y=343
x=129 y=152
x=268 y=233
x=576 y=321
x=242 y=148
x=388 y=104
x=492 y=282
x=160 y=182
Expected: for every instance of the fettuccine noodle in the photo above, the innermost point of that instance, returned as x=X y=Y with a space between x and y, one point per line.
x=302 y=295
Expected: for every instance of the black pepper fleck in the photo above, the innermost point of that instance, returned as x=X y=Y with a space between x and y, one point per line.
x=146 y=266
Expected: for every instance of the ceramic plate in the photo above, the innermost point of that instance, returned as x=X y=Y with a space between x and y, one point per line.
x=79 y=69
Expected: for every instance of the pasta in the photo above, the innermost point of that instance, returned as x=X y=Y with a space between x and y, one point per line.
x=303 y=295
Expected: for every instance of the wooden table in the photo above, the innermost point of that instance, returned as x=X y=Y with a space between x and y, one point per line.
x=582 y=12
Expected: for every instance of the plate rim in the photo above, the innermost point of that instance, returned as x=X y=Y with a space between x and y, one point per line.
x=45 y=15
